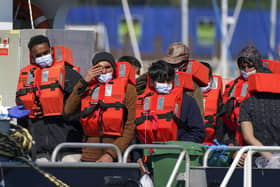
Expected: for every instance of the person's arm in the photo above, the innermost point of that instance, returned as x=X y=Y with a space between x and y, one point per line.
x=247 y=128
x=124 y=141
x=198 y=97
x=141 y=83
x=73 y=103
x=194 y=129
x=248 y=134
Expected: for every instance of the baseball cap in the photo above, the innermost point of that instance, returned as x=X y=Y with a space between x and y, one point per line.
x=176 y=53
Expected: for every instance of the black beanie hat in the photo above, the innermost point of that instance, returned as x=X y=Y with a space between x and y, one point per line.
x=104 y=56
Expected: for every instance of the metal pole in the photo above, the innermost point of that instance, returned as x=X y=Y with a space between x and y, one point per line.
x=131 y=32
x=224 y=48
x=30 y=13
x=272 y=26
x=235 y=18
x=176 y=169
x=185 y=21
x=247 y=173
x=82 y=145
x=233 y=166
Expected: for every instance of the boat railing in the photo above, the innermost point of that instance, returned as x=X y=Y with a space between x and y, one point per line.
x=217 y=148
x=183 y=154
x=247 y=174
x=61 y=146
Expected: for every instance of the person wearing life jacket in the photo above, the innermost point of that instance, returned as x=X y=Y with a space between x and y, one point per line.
x=260 y=115
x=178 y=56
x=106 y=97
x=164 y=112
x=212 y=100
x=249 y=62
x=134 y=62
x=22 y=13
x=43 y=87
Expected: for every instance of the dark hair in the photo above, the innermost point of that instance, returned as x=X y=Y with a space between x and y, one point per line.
x=250 y=54
x=132 y=60
x=38 y=39
x=209 y=67
x=161 y=71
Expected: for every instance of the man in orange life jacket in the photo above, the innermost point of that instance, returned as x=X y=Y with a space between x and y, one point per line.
x=178 y=56
x=106 y=96
x=212 y=100
x=165 y=108
x=249 y=62
x=47 y=127
x=134 y=62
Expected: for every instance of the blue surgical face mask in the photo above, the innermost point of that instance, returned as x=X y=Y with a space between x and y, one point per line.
x=44 y=61
x=245 y=74
x=103 y=78
x=163 y=88
x=206 y=88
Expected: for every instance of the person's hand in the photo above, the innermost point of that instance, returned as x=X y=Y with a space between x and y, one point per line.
x=93 y=72
x=18 y=112
x=105 y=158
x=143 y=169
x=241 y=160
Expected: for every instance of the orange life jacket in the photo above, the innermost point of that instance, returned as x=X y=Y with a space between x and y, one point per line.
x=210 y=101
x=264 y=82
x=103 y=108
x=273 y=65
x=199 y=72
x=158 y=115
x=43 y=87
x=236 y=90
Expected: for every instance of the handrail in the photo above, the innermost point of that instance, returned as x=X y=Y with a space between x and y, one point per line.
x=177 y=165
x=248 y=163
x=80 y=145
x=218 y=148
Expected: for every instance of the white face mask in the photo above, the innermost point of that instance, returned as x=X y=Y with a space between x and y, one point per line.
x=163 y=88
x=103 y=78
x=44 y=61
x=206 y=88
x=245 y=74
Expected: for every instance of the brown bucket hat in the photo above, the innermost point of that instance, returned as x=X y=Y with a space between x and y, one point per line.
x=176 y=53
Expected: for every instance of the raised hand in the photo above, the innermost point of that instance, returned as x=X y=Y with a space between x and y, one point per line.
x=93 y=72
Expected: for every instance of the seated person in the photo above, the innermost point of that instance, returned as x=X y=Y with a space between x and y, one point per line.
x=259 y=117
x=106 y=97
x=134 y=62
x=212 y=100
x=249 y=62
x=164 y=111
